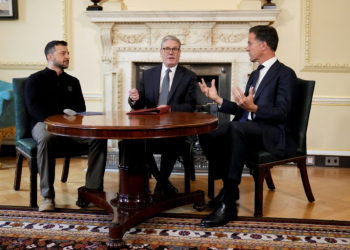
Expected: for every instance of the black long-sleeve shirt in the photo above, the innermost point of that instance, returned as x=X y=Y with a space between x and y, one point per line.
x=47 y=94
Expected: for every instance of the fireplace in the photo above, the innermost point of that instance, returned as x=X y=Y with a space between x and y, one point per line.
x=214 y=40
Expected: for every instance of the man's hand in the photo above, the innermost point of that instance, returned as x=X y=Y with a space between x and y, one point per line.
x=134 y=94
x=211 y=92
x=245 y=102
x=161 y=106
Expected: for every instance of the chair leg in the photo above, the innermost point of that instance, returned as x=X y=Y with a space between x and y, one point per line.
x=65 y=170
x=269 y=180
x=18 y=173
x=33 y=171
x=259 y=175
x=305 y=179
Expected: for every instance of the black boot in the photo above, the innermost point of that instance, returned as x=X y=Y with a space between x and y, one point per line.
x=217 y=199
x=221 y=215
x=213 y=203
x=169 y=188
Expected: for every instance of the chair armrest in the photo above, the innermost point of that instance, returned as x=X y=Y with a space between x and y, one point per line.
x=5 y=95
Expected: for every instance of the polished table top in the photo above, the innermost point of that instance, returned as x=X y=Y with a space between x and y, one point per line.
x=119 y=125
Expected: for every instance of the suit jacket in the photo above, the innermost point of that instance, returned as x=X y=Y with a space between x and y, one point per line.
x=275 y=99
x=182 y=95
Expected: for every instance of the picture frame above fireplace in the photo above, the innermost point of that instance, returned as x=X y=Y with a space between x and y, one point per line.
x=8 y=10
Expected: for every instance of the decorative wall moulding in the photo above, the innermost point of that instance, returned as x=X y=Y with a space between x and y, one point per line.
x=306 y=63
x=66 y=36
x=331 y=101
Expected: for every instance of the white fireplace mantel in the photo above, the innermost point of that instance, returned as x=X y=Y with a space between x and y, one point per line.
x=268 y=15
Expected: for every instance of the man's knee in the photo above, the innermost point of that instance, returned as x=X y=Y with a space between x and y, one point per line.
x=46 y=138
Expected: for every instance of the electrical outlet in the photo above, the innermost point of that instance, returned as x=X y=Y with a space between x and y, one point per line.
x=332 y=161
x=310 y=160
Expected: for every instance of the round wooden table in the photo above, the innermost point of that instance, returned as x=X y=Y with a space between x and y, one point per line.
x=134 y=202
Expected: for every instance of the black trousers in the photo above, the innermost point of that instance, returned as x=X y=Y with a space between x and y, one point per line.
x=169 y=149
x=226 y=148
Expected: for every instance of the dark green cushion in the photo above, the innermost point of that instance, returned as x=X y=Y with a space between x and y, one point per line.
x=262 y=157
x=28 y=146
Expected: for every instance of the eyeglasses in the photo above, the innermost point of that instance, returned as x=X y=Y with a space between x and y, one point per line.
x=174 y=50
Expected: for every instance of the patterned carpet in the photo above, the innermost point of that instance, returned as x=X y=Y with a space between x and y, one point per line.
x=78 y=229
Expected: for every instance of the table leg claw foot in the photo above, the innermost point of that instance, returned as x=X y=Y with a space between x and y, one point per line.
x=200 y=206
x=115 y=244
x=115 y=236
x=81 y=203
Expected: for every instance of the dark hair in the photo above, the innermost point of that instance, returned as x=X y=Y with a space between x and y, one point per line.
x=266 y=34
x=50 y=47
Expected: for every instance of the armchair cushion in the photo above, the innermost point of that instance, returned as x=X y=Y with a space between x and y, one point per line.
x=28 y=146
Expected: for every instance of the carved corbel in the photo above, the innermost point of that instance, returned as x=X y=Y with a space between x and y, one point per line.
x=106 y=39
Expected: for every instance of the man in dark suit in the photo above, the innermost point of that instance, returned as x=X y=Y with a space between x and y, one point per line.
x=166 y=84
x=262 y=121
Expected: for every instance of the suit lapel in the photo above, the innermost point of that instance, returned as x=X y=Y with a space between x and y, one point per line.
x=176 y=81
x=267 y=78
x=156 y=82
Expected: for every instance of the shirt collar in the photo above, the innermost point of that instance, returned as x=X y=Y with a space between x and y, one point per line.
x=52 y=72
x=267 y=64
x=164 y=68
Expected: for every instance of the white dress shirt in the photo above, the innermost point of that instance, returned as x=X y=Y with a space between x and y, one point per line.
x=171 y=76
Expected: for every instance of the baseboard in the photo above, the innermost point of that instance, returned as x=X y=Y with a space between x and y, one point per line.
x=201 y=164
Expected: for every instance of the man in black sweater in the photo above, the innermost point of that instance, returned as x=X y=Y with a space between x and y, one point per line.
x=49 y=92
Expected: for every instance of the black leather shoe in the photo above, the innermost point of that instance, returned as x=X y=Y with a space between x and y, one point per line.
x=221 y=215
x=213 y=203
x=169 y=188
x=158 y=189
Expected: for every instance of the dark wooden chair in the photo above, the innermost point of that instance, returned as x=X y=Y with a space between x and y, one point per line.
x=260 y=162
x=26 y=146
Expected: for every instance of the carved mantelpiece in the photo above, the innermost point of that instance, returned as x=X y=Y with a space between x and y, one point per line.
x=206 y=36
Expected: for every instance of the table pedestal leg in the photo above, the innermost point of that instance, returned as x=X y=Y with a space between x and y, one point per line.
x=134 y=202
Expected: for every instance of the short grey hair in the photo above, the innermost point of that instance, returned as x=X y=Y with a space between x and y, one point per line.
x=172 y=38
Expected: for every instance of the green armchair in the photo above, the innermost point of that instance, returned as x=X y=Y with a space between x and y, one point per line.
x=26 y=146
x=7 y=114
x=260 y=162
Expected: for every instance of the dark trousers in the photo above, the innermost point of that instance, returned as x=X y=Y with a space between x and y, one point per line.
x=169 y=149
x=226 y=148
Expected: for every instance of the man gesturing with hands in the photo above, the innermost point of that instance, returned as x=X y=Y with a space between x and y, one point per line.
x=168 y=84
x=262 y=121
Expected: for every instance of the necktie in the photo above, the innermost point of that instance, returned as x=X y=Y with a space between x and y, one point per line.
x=163 y=97
x=255 y=79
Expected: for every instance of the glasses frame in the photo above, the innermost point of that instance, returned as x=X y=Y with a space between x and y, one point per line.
x=174 y=50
